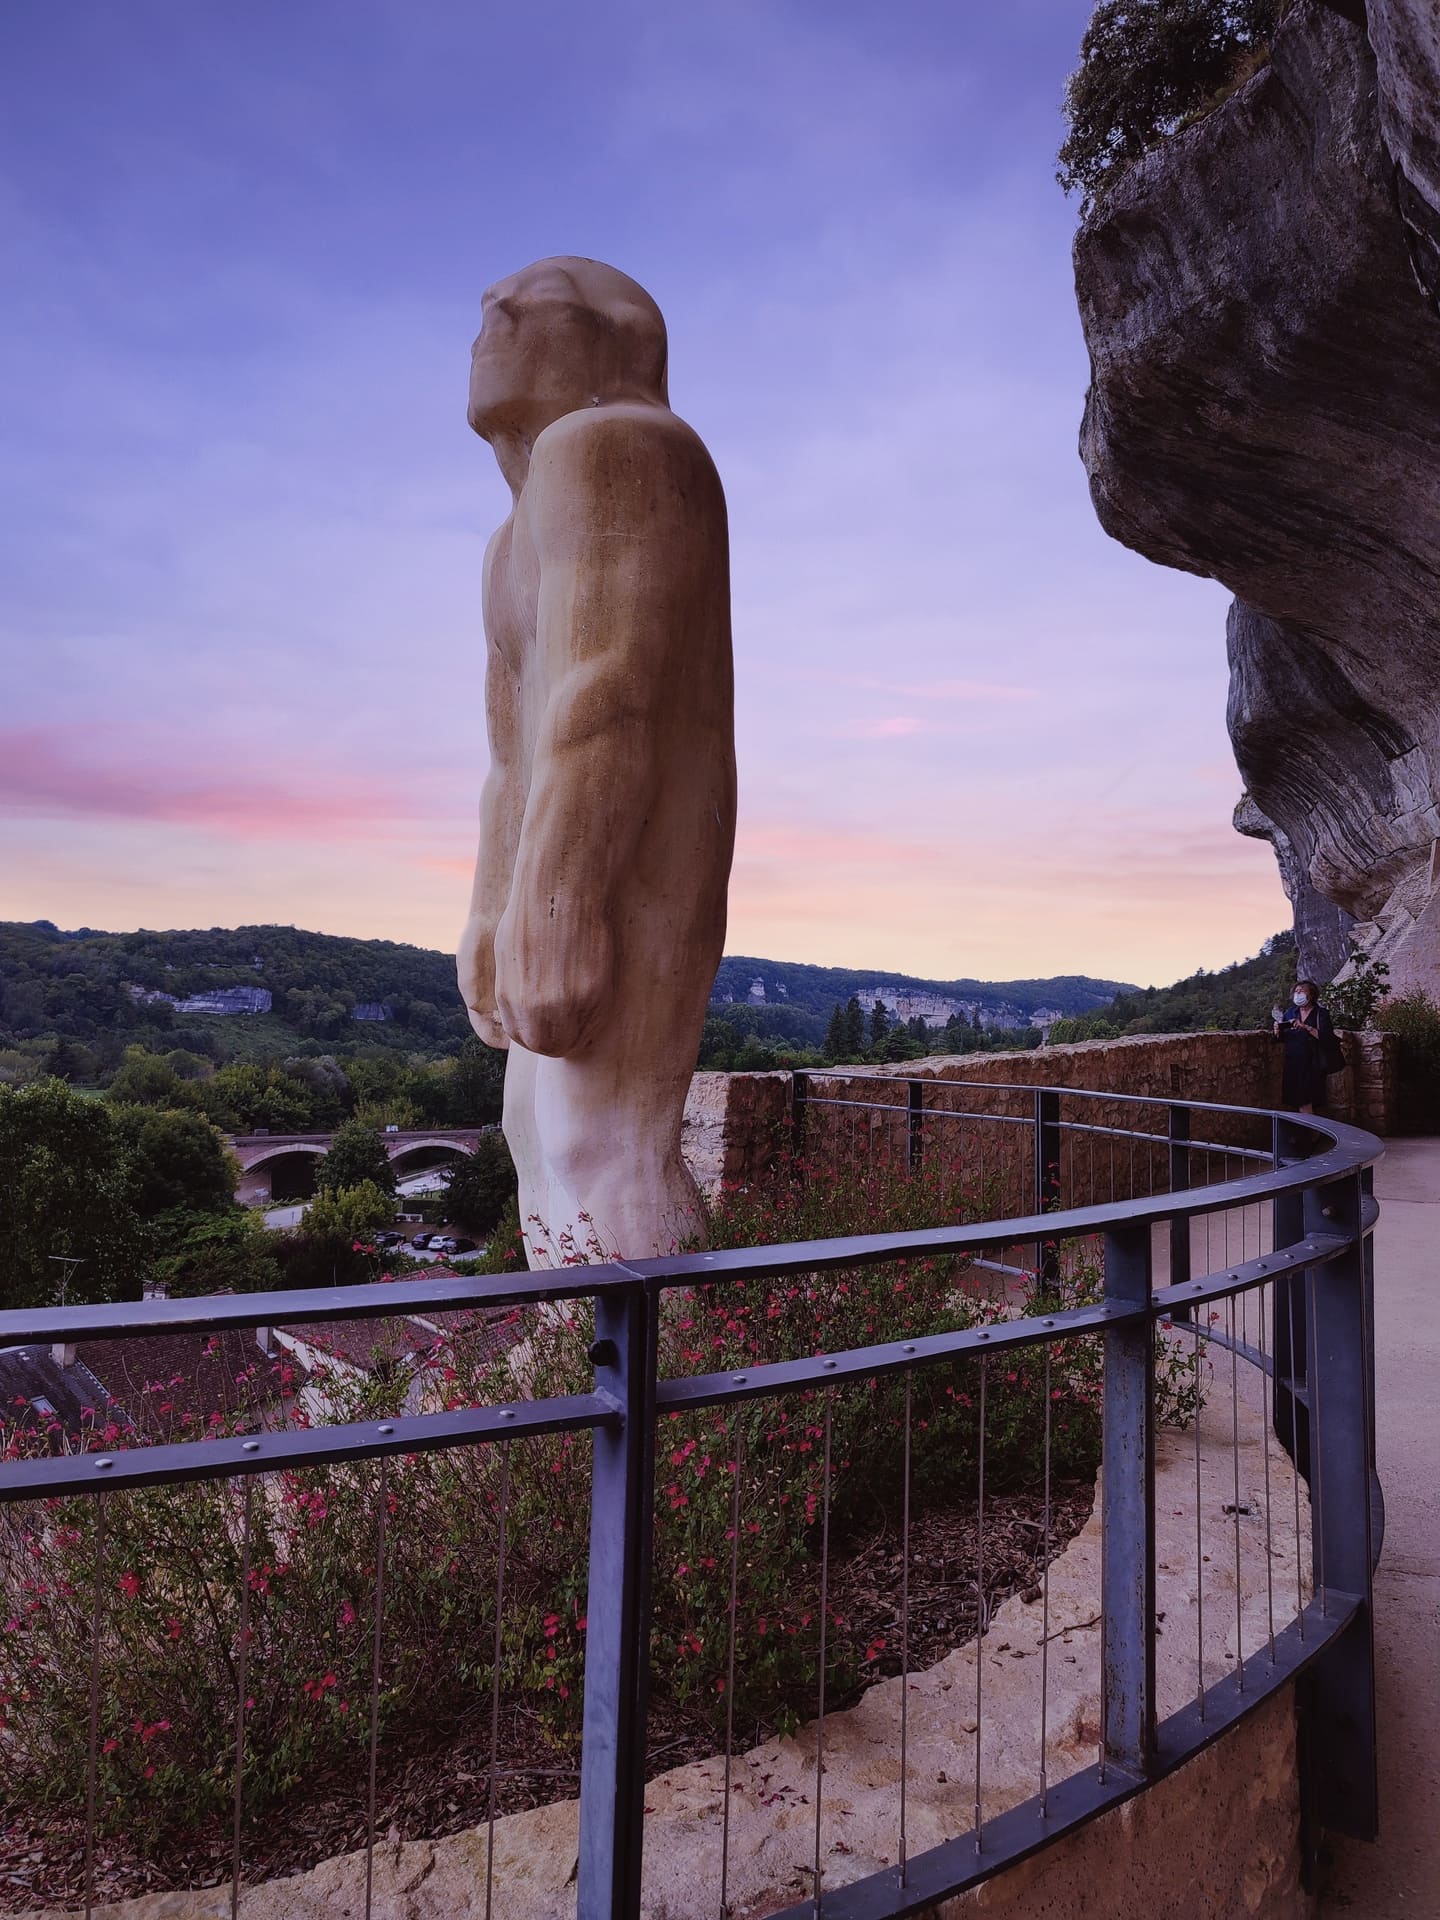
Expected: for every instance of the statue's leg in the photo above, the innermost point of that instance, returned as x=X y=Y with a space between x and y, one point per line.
x=608 y=1129
x=523 y=1139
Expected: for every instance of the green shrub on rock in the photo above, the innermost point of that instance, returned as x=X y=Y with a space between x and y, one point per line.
x=1146 y=66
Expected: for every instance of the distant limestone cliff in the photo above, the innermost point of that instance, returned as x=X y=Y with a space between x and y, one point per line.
x=997 y=1003
x=1259 y=298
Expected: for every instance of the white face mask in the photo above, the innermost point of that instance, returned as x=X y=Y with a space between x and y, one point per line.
x=1301 y=999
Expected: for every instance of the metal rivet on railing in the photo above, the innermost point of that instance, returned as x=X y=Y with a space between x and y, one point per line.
x=909 y=1346
x=386 y=1427
x=832 y=1363
x=100 y=1465
x=507 y=1413
x=1047 y=1323
x=739 y=1379
x=983 y=1334
x=249 y=1446
x=1262 y=1265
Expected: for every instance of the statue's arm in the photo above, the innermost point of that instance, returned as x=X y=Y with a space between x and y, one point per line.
x=611 y=531
x=501 y=806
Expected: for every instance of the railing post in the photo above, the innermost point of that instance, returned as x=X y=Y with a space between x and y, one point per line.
x=1047 y=1174
x=799 y=1098
x=1180 y=1183
x=1290 y=1403
x=1343 y=1690
x=1127 y=1576
x=914 y=1126
x=617 y=1635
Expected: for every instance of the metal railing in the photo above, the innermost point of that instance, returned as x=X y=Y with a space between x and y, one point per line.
x=1303 y=1297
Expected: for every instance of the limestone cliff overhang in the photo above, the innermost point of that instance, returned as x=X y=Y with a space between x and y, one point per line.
x=1258 y=300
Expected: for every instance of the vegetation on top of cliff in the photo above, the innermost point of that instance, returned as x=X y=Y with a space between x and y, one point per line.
x=1240 y=995
x=1148 y=67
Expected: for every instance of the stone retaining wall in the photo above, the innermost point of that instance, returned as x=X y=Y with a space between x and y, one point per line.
x=736 y=1123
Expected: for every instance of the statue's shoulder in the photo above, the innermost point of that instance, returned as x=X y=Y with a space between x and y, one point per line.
x=596 y=445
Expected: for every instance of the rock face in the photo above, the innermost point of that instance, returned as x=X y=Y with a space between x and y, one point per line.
x=1259 y=299
x=1322 y=930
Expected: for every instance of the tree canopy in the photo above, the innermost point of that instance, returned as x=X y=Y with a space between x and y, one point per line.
x=176 y=1159
x=482 y=1185
x=357 y=1156
x=67 y=1192
x=1145 y=67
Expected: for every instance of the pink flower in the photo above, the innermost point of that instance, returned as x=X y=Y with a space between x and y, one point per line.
x=129 y=1584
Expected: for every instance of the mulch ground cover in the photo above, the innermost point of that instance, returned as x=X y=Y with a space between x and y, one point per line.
x=434 y=1781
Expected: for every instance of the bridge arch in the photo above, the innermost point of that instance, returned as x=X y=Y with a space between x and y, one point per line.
x=285 y=1171
x=414 y=1156
x=253 y=1157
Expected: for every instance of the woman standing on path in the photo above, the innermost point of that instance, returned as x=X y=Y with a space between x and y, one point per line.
x=1310 y=1043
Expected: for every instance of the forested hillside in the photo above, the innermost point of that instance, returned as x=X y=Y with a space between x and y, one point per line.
x=79 y=1004
x=93 y=994
x=1236 y=996
x=83 y=987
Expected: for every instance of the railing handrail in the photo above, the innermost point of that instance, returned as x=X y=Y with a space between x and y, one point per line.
x=1350 y=1150
x=878 y=1072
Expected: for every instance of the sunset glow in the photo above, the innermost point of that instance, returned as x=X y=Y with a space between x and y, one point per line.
x=244 y=518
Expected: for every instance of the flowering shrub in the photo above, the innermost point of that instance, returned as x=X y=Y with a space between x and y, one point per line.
x=175 y=1574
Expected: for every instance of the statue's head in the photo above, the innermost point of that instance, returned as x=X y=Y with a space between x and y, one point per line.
x=560 y=335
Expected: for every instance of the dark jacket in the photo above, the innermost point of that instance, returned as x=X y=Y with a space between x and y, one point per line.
x=1308 y=1037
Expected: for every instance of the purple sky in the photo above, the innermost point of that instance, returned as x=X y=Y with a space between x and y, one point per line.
x=243 y=517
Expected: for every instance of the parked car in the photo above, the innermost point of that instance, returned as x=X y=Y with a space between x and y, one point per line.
x=389 y=1238
x=458 y=1245
x=422 y=1241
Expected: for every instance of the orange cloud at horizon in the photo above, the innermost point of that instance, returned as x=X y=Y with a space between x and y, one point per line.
x=1137 y=903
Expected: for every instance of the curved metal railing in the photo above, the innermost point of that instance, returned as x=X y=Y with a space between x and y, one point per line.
x=1301 y=1182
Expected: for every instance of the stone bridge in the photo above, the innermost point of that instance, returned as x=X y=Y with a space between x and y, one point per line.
x=262 y=1156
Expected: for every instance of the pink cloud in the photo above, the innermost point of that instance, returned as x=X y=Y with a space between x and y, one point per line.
x=895 y=726
x=48 y=773
x=964 y=690
x=796 y=849
x=975 y=691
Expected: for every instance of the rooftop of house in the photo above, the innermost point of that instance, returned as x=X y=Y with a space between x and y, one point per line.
x=172 y=1385
x=479 y=1333
x=366 y=1344
x=36 y=1392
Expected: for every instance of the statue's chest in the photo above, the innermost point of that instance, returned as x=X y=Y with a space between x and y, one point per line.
x=511 y=596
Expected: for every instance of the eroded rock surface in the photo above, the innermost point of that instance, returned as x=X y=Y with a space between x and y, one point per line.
x=1322 y=930
x=1258 y=297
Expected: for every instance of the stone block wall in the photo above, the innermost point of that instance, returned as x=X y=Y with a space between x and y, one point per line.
x=1369 y=1089
x=735 y=1123
x=1220 y=1836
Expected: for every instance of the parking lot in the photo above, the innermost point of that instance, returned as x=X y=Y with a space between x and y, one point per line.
x=403 y=1241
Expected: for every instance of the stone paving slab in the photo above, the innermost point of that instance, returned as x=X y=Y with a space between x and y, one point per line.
x=1400 y=1878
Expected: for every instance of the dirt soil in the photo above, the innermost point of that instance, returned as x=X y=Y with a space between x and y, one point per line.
x=437 y=1781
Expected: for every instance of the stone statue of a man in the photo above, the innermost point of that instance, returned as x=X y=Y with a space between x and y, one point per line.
x=607 y=821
